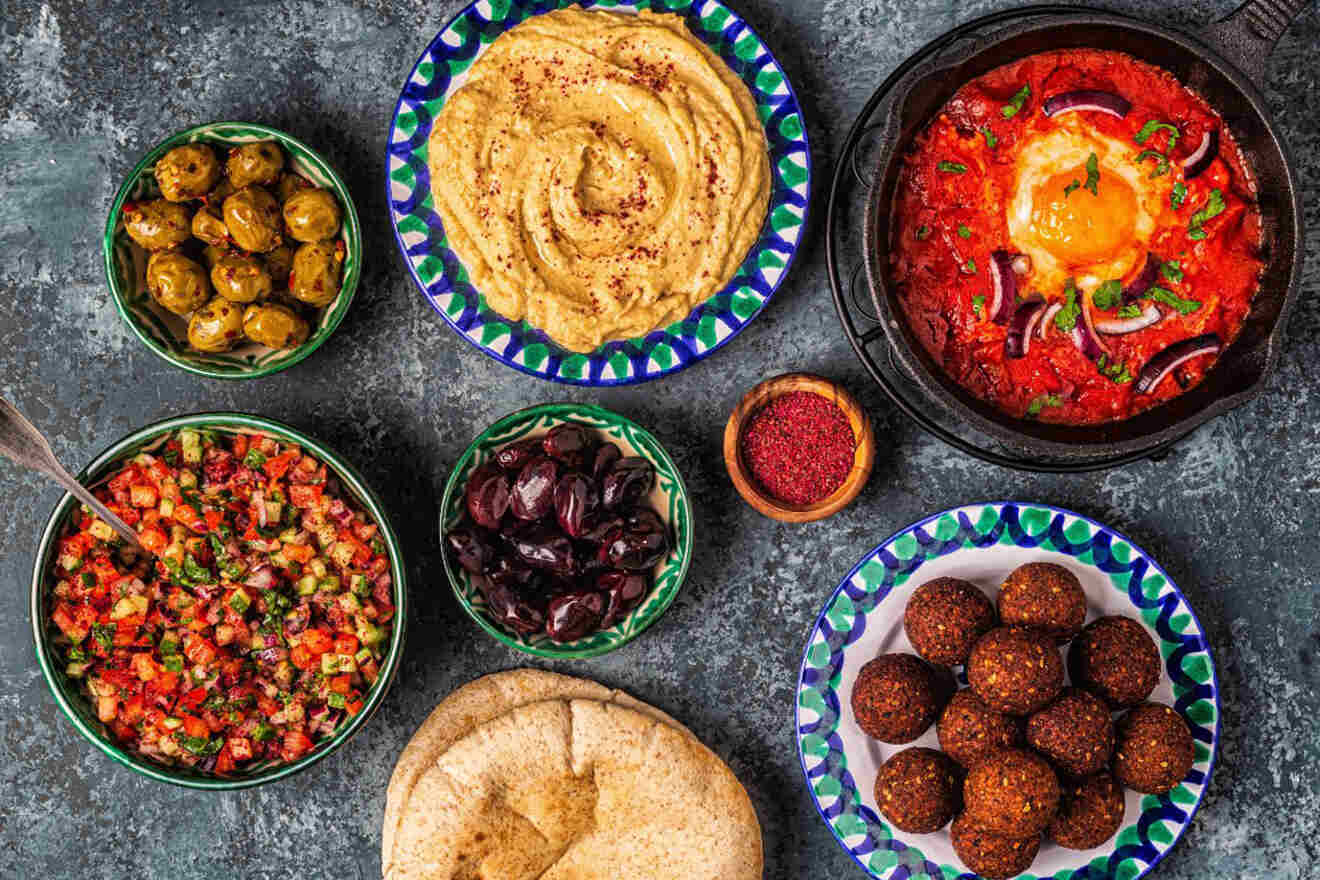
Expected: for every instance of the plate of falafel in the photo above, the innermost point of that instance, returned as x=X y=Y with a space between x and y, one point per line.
x=1007 y=689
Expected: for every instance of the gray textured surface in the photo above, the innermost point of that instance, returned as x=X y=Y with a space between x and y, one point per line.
x=86 y=88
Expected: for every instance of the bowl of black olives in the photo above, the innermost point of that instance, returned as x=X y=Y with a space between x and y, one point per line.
x=232 y=250
x=567 y=530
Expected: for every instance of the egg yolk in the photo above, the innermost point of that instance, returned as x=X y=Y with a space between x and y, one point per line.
x=1082 y=227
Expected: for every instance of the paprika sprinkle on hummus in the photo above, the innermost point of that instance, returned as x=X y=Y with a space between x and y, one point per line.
x=599 y=174
x=799 y=447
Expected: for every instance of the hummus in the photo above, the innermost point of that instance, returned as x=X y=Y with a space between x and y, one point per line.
x=599 y=174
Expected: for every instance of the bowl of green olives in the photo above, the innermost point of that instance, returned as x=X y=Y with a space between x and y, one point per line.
x=232 y=250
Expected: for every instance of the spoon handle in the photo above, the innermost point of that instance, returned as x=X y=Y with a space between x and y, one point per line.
x=22 y=443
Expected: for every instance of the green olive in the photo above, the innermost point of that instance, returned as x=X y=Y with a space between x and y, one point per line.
x=187 y=172
x=176 y=282
x=216 y=326
x=216 y=197
x=279 y=262
x=209 y=226
x=315 y=276
x=212 y=254
x=253 y=219
x=260 y=162
x=157 y=224
x=311 y=215
x=240 y=278
x=274 y=326
x=289 y=184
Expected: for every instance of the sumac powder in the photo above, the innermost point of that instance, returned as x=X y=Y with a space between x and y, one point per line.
x=799 y=447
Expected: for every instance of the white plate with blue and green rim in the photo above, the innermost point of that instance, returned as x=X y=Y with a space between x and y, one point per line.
x=982 y=543
x=443 y=280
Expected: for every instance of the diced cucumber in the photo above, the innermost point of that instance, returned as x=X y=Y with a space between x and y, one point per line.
x=240 y=601
x=349 y=603
x=342 y=553
x=122 y=608
x=101 y=531
x=330 y=663
x=362 y=656
x=358 y=584
x=273 y=511
x=307 y=585
x=171 y=723
x=191 y=443
x=166 y=507
x=329 y=584
x=187 y=479
x=76 y=670
x=317 y=567
x=368 y=633
x=334 y=700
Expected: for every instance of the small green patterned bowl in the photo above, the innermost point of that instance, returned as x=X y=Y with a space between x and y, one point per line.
x=78 y=709
x=167 y=334
x=669 y=498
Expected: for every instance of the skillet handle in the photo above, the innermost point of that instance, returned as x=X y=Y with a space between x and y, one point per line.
x=1248 y=34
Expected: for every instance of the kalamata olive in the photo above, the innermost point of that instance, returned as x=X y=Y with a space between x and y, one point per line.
x=514 y=574
x=625 y=485
x=623 y=590
x=487 y=496
x=542 y=547
x=514 y=456
x=599 y=527
x=606 y=456
x=573 y=615
x=634 y=549
x=533 y=493
x=510 y=609
x=472 y=547
x=647 y=520
x=576 y=499
x=568 y=443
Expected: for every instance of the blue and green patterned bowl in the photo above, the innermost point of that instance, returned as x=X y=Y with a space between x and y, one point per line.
x=167 y=334
x=982 y=543
x=443 y=280
x=669 y=498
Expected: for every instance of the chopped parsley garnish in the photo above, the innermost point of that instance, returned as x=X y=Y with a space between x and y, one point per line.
x=1172 y=271
x=254 y=459
x=951 y=167
x=1161 y=162
x=1070 y=188
x=1130 y=311
x=1169 y=298
x=200 y=745
x=104 y=633
x=196 y=572
x=1178 y=196
x=1214 y=206
x=1015 y=103
x=1092 y=174
x=970 y=266
x=1153 y=126
x=1116 y=373
x=88 y=579
x=1108 y=295
x=964 y=232
x=1066 y=319
x=978 y=305
x=1044 y=400
x=923 y=232
x=171 y=457
x=990 y=140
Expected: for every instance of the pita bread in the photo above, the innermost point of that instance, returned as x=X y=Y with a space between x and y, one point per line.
x=576 y=789
x=477 y=703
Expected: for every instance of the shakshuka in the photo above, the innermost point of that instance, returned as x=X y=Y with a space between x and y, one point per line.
x=1076 y=237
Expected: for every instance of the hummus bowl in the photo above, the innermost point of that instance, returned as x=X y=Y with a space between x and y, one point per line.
x=447 y=283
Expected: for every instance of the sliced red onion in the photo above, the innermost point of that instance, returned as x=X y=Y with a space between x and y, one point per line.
x=1086 y=340
x=1047 y=320
x=1150 y=274
x=259 y=504
x=1200 y=160
x=1175 y=355
x=1118 y=326
x=1089 y=322
x=1021 y=264
x=1088 y=99
x=1018 y=341
x=1004 y=284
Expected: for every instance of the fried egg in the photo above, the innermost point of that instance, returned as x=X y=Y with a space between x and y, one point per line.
x=1070 y=230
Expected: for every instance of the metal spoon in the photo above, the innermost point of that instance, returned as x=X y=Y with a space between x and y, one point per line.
x=23 y=444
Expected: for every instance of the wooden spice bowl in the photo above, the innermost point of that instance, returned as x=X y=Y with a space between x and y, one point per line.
x=747 y=487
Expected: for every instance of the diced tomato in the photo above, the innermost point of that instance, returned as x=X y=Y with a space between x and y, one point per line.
x=186 y=514
x=120 y=678
x=125 y=478
x=224 y=761
x=64 y=618
x=267 y=706
x=302 y=658
x=214 y=519
x=213 y=721
x=159 y=471
x=194 y=726
x=300 y=553
x=317 y=641
x=155 y=540
x=132 y=710
x=278 y=466
x=193 y=698
x=126 y=630
x=341 y=684
x=123 y=732
x=199 y=651
x=144 y=667
x=346 y=644
x=353 y=707
x=143 y=495
x=106 y=708
x=296 y=744
x=305 y=495
x=240 y=747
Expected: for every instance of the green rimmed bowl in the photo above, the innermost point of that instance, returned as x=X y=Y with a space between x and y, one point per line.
x=165 y=333
x=669 y=498
x=77 y=707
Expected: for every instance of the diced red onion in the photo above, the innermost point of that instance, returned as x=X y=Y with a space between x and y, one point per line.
x=1118 y=326
x=261 y=578
x=1088 y=99
x=1150 y=273
x=1047 y=320
x=273 y=655
x=1204 y=154
x=1018 y=341
x=1004 y=286
x=1174 y=356
x=340 y=513
x=259 y=505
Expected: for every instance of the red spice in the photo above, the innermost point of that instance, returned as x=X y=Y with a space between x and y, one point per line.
x=799 y=447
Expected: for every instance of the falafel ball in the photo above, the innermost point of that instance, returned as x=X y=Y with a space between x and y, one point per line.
x=1013 y=792
x=1046 y=596
x=896 y=697
x=1115 y=659
x=1015 y=669
x=1090 y=812
x=1154 y=750
x=991 y=855
x=1075 y=732
x=969 y=730
x=918 y=790
x=945 y=617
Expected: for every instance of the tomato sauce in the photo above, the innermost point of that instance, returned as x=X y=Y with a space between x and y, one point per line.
x=947 y=223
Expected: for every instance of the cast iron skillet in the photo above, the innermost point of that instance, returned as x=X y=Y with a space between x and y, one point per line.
x=1202 y=63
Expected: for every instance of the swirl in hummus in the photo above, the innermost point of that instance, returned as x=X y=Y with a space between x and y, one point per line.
x=599 y=174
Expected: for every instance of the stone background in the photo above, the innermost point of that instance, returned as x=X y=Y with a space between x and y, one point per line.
x=87 y=87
